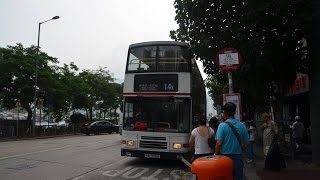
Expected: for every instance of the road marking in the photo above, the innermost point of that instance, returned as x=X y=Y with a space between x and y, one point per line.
x=188 y=176
x=99 y=168
x=79 y=177
x=131 y=173
x=129 y=176
x=186 y=162
x=115 y=162
x=153 y=175
x=114 y=173
x=175 y=175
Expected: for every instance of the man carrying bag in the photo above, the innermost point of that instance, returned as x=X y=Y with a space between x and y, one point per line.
x=232 y=137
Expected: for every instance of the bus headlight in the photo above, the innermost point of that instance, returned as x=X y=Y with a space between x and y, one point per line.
x=130 y=143
x=177 y=146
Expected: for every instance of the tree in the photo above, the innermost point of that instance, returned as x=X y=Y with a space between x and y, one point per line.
x=78 y=118
x=96 y=89
x=267 y=34
x=62 y=88
x=57 y=92
x=17 y=67
x=217 y=87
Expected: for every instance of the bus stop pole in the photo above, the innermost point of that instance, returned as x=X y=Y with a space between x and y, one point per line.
x=230 y=82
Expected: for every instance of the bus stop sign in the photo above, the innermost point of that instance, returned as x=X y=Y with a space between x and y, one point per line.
x=228 y=59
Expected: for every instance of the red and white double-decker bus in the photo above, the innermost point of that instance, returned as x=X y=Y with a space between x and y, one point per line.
x=163 y=93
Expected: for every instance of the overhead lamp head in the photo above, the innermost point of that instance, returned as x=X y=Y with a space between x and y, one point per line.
x=56 y=17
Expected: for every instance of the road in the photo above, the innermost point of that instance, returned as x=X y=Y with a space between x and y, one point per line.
x=80 y=158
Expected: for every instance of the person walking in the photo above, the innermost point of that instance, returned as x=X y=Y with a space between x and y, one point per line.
x=199 y=138
x=251 y=127
x=269 y=129
x=297 y=132
x=214 y=123
x=231 y=138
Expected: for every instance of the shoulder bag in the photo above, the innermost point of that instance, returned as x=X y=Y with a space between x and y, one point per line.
x=211 y=140
x=235 y=132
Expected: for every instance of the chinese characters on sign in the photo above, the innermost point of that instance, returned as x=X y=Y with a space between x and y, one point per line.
x=148 y=87
x=229 y=59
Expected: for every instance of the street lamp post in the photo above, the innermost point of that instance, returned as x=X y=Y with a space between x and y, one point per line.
x=36 y=79
x=18 y=105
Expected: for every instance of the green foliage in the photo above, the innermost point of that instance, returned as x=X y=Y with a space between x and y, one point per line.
x=78 y=118
x=267 y=34
x=17 y=67
x=99 y=91
x=62 y=88
x=217 y=87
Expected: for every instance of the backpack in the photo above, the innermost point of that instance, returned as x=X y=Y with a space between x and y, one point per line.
x=211 y=141
x=274 y=160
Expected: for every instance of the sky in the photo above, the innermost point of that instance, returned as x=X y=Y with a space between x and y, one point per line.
x=90 y=33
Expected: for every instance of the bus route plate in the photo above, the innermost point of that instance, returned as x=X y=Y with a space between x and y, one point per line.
x=152 y=156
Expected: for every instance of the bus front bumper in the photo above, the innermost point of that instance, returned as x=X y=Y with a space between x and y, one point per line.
x=151 y=154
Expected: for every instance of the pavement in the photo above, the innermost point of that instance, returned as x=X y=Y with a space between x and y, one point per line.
x=300 y=167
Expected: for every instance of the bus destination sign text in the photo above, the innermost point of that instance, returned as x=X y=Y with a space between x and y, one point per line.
x=156 y=83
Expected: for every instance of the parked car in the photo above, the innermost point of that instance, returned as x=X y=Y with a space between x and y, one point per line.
x=98 y=127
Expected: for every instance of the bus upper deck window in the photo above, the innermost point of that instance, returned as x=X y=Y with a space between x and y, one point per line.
x=170 y=54
x=161 y=53
x=146 y=54
x=153 y=53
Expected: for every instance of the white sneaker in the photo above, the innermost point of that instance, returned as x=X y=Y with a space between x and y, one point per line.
x=249 y=161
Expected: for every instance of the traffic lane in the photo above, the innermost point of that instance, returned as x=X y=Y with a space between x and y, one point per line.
x=65 y=162
x=92 y=154
x=142 y=169
x=24 y=147
x=85 y=157
x=26 y=169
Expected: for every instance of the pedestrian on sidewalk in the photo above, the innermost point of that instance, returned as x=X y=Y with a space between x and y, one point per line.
x=199 y=138
x=297 y=132
x=269 y=130
x=251 y=127
x=214 y=123
x=232 y=137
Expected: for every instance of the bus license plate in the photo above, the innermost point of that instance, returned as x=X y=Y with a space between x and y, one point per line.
x=152 y=156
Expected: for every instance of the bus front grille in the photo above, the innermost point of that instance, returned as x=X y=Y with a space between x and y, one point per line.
x=153 y=144
x=153 y=138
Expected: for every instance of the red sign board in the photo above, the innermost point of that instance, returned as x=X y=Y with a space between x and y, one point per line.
x=300 y=85
x=236 y=99
x=228 y=59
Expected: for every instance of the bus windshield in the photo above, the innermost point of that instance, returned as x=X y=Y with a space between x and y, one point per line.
x=161 y=58
x=162 y=114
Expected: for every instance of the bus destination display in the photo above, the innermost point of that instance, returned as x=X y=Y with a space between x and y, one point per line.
x=156 y=83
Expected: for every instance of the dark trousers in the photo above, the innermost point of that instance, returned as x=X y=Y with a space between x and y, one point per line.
x=250 y=151
x=238 y=166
